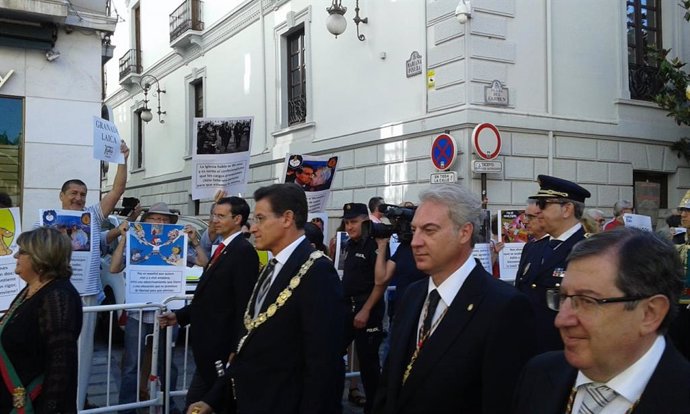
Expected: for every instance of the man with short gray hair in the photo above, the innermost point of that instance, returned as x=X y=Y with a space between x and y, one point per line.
x=620 y=208
x=460 y=337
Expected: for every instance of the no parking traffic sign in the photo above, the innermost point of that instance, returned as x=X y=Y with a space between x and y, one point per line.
x=443 y=152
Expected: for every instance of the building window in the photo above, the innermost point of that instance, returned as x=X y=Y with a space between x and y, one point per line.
x=11 y=142
x=296 y=77
x=644 y=32
x=198 y=87
x=195 y=105
x=138 y=143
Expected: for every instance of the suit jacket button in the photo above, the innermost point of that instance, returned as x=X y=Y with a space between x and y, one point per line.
x=534 y=286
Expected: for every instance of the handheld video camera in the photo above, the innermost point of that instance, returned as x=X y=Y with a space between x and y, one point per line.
x=400 y=218
x=128 y=204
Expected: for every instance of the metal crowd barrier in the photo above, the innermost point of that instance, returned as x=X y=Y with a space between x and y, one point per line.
x=156 y=403
x=160 y=394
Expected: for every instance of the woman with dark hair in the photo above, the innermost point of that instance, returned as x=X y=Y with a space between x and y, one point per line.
x=39 y=332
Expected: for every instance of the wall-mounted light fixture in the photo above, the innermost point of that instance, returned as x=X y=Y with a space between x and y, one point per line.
x=463 y=11
x=336 y=23
x=145 y=114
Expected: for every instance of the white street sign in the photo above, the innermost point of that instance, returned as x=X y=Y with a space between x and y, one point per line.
x=487 y=166
x=443 y=177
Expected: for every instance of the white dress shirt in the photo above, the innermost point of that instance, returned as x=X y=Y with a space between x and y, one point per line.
x=629 y=384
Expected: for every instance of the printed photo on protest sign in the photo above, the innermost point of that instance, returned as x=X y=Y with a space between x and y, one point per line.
x=221 y=155
x=10 y=282
x=156 y=262
x=512 y=231
x=78 y=226
x=314 y=175
x=106 y=141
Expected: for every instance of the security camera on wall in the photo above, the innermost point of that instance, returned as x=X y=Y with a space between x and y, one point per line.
x=52 y=55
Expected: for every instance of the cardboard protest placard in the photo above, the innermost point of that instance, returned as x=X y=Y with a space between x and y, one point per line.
x=512 y=231
x=106 y=141
x=220 y=160
x=314 y=175
x=10 y=282
x=156 y=260
x=79 y=227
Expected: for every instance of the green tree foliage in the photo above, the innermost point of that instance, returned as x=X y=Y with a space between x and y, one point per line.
x=675 y=95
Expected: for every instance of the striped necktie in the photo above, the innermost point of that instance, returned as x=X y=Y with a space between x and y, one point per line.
x=264 y=282
x=596 y=398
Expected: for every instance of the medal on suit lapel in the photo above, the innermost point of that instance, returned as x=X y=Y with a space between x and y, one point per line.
x=251 y=324
x=558 y=272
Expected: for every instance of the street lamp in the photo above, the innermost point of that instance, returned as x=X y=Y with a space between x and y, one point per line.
x=336 y=23
x=145 y=84
x=463 y=11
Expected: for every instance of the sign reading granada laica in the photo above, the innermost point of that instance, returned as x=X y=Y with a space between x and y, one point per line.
x=496 y=94
x=414 y=65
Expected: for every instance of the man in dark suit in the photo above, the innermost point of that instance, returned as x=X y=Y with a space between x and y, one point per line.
x=542 y=264
x=460 y=337
x=614 y=306
x=219 y=302
x=290 y=359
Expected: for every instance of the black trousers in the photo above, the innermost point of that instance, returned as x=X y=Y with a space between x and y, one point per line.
x=367 y=343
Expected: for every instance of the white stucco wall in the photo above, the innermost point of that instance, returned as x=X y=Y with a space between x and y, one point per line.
x=60 y=99
x=565 y=64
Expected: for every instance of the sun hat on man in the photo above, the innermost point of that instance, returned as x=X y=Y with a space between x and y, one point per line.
x=161 y=208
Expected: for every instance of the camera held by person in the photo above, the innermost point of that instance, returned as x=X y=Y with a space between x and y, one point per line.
x=400 y=219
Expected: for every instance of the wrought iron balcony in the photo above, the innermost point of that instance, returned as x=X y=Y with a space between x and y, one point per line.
x=130 y=63
x=186 y=17
x=644 y=81
x=297 y=110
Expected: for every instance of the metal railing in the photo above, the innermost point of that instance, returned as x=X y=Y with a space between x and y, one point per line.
x=644 y=81
x=186 y=17
x=158 y=394
x=130 y=62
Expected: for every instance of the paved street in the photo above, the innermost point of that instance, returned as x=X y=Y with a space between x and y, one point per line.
x=102 y=380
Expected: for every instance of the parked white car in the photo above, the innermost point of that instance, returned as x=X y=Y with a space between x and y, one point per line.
x=114 y=283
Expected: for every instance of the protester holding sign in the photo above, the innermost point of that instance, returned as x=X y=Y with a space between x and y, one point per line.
x=73 y=197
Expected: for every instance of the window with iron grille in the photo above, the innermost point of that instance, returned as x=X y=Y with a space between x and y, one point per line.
x=296 y=78
x=644 y=33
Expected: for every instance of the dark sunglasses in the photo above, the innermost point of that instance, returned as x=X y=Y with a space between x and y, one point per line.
x=543 y=202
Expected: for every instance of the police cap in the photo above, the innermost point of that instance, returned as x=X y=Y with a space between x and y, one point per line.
x=554 y=187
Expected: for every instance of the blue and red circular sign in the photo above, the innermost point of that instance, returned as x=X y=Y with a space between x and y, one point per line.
x=443 y=152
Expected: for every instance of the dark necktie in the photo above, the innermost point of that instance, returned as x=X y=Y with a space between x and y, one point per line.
x=264 y=284
x=548 y=252
x=217 y=253
x=432 y=304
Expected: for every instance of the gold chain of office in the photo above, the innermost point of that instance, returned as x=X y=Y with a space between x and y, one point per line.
x=251 y=324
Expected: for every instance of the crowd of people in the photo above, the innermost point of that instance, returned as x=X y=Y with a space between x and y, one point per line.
x=589 y=325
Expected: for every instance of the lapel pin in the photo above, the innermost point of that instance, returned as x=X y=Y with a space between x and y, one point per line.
x=470 y=307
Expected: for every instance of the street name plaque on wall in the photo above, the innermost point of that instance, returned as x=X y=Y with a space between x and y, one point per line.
x=413 y=66
x=496 y=94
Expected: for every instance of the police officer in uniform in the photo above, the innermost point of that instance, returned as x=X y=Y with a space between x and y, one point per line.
x=542 y=267
x=364 y=306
